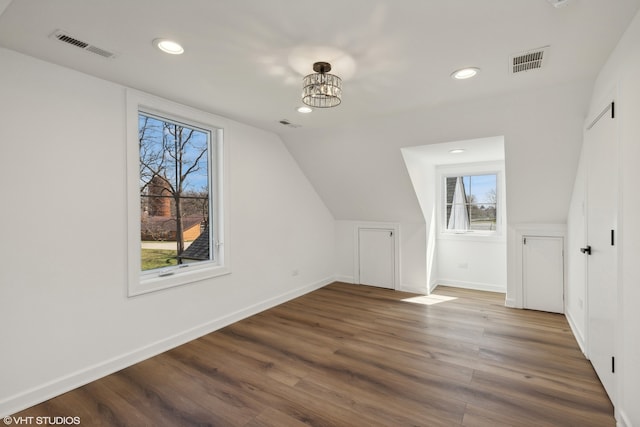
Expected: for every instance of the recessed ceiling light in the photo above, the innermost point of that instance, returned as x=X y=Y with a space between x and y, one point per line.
x=465 y=73
x=304 y=110
x=168 y=46
x=457 y=151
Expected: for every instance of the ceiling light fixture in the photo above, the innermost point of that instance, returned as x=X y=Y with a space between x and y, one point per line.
x=457 y=151
x=304 y=110
x=465 y=73
x=322 y=90
x=168 y=46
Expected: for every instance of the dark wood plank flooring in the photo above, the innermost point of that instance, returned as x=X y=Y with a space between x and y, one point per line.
x=348 y=355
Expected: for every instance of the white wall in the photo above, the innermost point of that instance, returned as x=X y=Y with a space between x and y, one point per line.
x=359 y=172
x=472 y=263
x=422 y=175
x=65 y=315
x=620 y=77
x=515 y=254
x=412 y=243
x=475 y=262
x=576 y=292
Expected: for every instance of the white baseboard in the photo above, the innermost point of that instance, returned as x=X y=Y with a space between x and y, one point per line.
x=472 y=285
x=413 y=289
x=511 y=303
x=622 y=420
x=344 y=279
x=433 y=285
x=77 y=379
x=576 y=332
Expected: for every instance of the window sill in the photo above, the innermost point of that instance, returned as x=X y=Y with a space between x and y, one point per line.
x=494 y=237
x=175 y=277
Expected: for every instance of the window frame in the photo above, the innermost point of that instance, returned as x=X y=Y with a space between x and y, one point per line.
x=474 y=169
x=140 y=282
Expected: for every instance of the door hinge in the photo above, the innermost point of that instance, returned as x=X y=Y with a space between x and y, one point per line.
x=612 y=238
x=613 y=365
x=524 y=240
x=391 y=234
x=613 y=110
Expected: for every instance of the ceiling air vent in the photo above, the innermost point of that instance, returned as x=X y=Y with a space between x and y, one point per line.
x=530 y=60
x=64 y=37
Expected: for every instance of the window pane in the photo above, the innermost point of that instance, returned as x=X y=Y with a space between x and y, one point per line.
x=174 y=193
x=483 y=217
x=482 y=188
x=471 y=202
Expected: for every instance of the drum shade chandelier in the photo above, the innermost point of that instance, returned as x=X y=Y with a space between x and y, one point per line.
x=321 y=89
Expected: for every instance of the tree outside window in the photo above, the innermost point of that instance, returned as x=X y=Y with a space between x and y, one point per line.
x=174 y=192
x=471 y=202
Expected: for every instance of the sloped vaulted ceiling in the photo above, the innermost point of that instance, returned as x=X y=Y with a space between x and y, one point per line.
x=359 y=172
x=243 y=60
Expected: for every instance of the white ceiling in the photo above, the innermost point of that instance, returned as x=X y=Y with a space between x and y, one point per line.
x=243 y=60
x=243 y=57
x=489 y=149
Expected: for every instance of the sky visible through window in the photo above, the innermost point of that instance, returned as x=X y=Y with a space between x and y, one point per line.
x=473 y=209
x=158 y=134
x=482 y=188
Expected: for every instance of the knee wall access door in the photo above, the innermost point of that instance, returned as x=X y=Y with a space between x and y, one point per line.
x=377 y=257
x=543 y=273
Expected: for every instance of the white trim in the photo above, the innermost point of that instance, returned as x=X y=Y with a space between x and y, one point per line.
x=139 y=283
x=525 y=270
x=76 y=379
x=622 y=420
x=414 y=289
x=344 y=279
x=432 y=286
x=604 y=111
x=471 y=169
x=515 y=247
x=492 y=237
x=576 y=332
x=489 y=287
x=356 y=248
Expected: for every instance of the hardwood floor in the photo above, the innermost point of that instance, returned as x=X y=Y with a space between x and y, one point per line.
x=348 y=355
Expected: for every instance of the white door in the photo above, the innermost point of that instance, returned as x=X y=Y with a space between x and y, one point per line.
x=601 y=146
x=543 y=273
x=376 y=253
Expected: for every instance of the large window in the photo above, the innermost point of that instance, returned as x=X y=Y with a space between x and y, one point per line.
x=471 y=203
x=176 y=216
x=174 y=193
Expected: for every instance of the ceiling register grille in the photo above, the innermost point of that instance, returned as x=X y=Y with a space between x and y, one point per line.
x=64 y=37
x=530 y=60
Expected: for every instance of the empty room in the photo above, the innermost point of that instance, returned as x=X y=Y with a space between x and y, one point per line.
x=345 y=213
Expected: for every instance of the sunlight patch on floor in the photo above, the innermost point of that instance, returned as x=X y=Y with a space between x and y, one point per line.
x=429 y=299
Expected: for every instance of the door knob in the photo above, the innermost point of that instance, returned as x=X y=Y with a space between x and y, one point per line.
x=586 y=250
